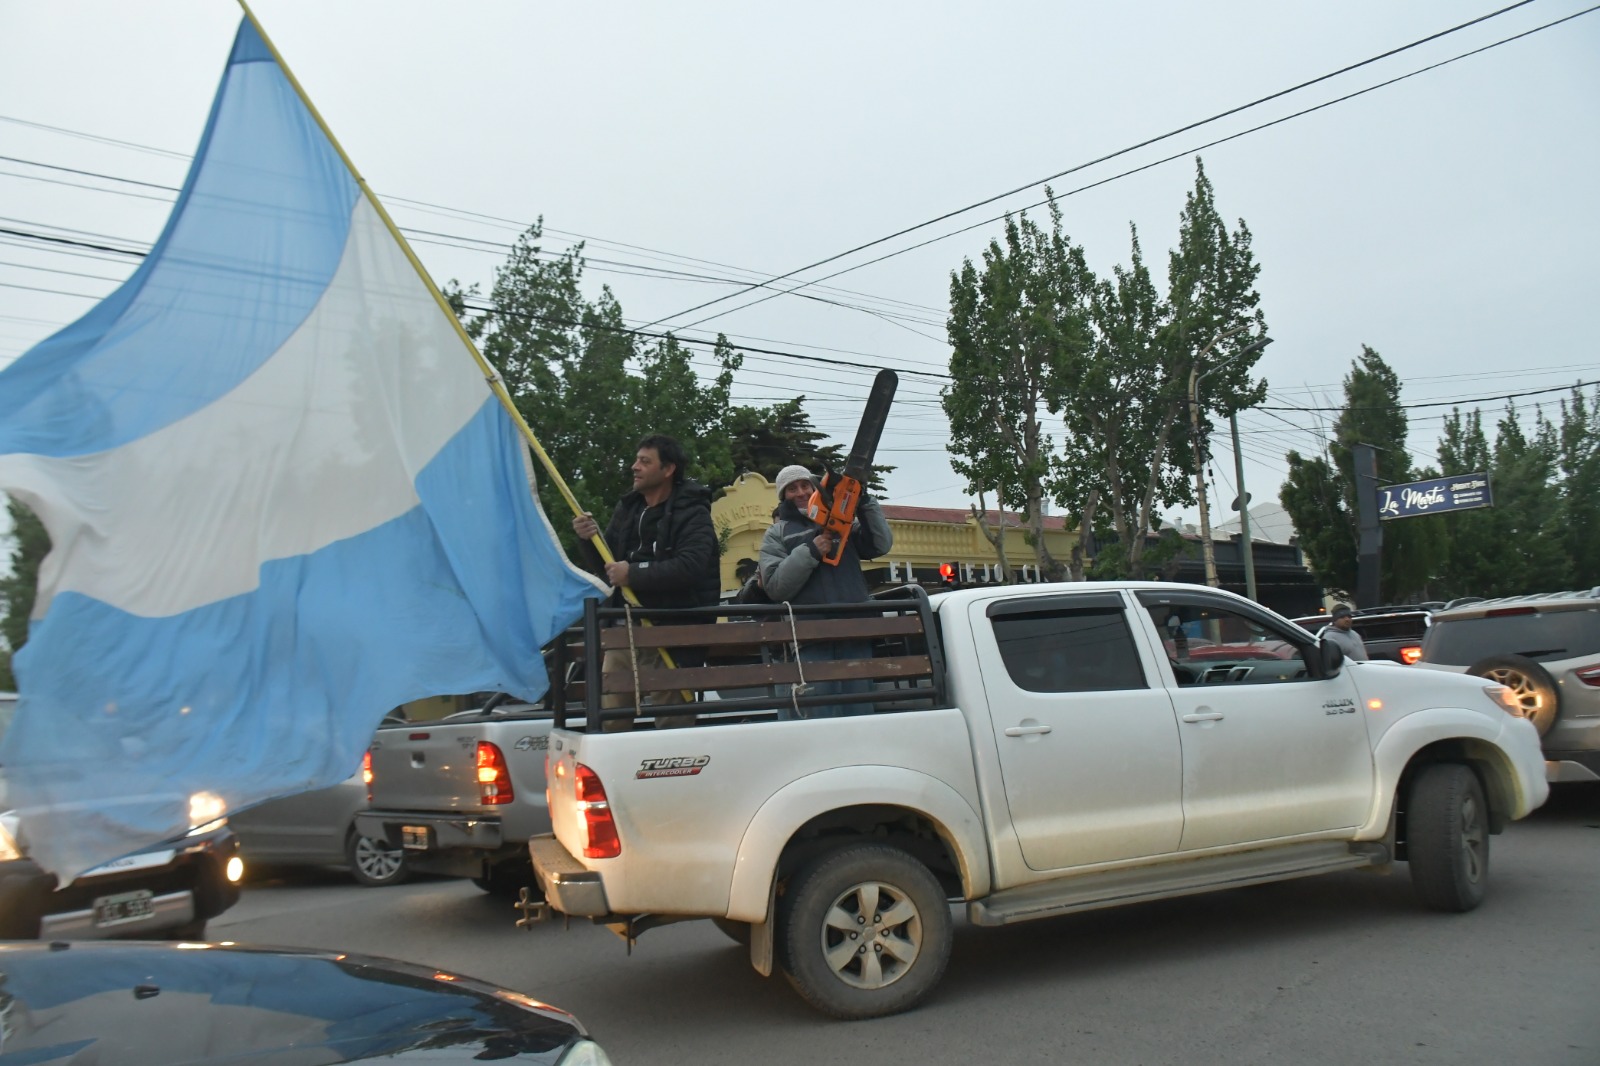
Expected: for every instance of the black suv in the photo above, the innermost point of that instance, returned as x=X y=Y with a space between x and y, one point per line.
x=169 y=891
x=1394 y=633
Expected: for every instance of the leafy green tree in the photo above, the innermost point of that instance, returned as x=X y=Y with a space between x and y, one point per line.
x=1528 y=508
x=584 y=382
x=1009 y=328
x=1579 y=461
x=29 y=545
x=1124 y=397
x=1473 y=559
x=1314 y=496
x=767 y=439
x=1320 y=493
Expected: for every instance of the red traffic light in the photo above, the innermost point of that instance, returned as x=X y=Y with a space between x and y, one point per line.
x=947 y=573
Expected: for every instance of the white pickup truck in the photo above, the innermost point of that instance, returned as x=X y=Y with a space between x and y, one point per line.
x=1029 y=750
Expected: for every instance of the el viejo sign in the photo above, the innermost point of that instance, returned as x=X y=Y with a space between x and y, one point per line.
x=1462 y=492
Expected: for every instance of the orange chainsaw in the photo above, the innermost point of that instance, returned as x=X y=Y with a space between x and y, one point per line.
x=833 y=505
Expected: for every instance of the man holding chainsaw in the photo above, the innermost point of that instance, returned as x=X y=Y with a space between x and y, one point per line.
x=664 y=547
x=802 y=562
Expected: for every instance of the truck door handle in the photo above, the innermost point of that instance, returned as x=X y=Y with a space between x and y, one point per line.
x=1027 y=730
x=1209 y=716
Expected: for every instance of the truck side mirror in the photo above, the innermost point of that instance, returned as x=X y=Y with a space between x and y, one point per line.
x=1332 y=657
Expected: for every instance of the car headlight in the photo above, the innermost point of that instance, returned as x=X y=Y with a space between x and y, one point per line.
x=206 y=807
x=9 y=852
x=1507 y=700
x=585 y=1053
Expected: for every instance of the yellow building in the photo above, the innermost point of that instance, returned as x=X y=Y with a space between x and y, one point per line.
x=924 y=538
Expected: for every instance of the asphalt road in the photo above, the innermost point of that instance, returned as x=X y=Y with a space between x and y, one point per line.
x=1332 y=970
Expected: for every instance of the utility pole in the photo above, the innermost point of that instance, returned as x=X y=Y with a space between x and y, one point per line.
x=1196 y=376
x=1244 y=512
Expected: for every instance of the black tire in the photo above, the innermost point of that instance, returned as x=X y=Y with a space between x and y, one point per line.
x=507 y=880
x=374 y=862
x=1447 y=838
x=820 y=917
x=1531 y=683
x=738 y=932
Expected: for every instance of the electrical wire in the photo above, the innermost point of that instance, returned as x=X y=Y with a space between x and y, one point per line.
x=1112 y=155
x=1104 y=181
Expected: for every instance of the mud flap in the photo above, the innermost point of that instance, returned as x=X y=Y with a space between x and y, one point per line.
x=762 y=935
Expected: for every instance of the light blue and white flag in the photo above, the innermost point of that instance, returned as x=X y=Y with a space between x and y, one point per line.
x=281 y=498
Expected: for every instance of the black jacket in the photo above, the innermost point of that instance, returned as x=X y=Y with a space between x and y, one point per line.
x=672 y=548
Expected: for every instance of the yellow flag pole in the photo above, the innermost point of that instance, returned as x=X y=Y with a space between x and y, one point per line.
x=496 y=385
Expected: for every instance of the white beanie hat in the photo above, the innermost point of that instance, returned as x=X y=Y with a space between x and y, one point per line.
x=789 y=475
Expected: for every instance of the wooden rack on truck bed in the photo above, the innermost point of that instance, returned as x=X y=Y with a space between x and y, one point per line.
x=737 y=662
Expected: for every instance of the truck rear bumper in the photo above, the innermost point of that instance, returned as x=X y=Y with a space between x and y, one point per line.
x=568 y=886
x=417 y=831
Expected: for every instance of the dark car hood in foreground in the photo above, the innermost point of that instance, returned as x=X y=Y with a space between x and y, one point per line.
x=166 y=1005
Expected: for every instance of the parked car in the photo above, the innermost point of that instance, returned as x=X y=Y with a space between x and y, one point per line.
x=167 y=891
x=1546 y=649
x=156 y=1004
x=318 y=828
x=1392 y=633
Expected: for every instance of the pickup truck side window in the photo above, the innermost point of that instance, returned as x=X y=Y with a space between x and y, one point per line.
x=1210 y=643
x=1065 y=648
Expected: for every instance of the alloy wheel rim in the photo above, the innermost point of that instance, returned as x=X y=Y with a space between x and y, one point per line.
x=1521 y=686
x=377 y=860
x=871 y=935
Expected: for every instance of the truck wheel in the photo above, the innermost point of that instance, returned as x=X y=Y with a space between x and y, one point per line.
x=1447 y=838
x=865 y=931
x=374 y=862
x=1531 y=683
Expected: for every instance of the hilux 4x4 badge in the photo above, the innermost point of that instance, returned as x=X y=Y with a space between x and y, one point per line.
x=675 y=766
x=1339 y=707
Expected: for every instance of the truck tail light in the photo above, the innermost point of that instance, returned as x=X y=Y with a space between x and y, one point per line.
x=601 y=828
x=366 y=773
x=1590 y=676
x=494 y=780
x=1411 y=654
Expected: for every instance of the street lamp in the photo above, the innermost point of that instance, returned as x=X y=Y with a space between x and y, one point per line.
x=1195 y=378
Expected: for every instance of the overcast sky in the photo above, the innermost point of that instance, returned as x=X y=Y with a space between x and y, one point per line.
x=1449 y=220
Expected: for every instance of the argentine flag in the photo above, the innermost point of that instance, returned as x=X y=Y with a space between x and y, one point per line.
x=281 y=500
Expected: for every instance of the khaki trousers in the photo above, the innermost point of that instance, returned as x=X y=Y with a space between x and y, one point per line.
x=619 y=659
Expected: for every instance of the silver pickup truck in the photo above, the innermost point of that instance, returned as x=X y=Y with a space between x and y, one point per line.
x=463 y=794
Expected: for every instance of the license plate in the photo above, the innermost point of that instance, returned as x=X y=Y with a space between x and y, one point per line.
x=414 y=837
x=124 y=907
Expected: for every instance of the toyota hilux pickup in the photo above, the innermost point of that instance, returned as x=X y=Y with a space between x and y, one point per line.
x=167 y=891
x=1027 y=751
x=461 y=795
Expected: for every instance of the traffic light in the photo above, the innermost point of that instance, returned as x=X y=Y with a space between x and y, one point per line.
x=948 y=574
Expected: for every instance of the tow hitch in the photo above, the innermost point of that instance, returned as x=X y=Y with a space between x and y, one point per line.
x=533 y=910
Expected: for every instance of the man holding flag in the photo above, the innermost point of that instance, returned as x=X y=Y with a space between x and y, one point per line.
x=281 y=500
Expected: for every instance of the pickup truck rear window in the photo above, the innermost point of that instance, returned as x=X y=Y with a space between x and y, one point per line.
x=1543 y=636
x=1069 y=649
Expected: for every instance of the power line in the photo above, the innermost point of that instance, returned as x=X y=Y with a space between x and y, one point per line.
x=1442 y=403
x=448 y=211
x=1116 y=177
x=654 y=335
x=1113 y=155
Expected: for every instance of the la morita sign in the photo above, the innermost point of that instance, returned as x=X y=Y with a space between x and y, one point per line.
x=1435 y=496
